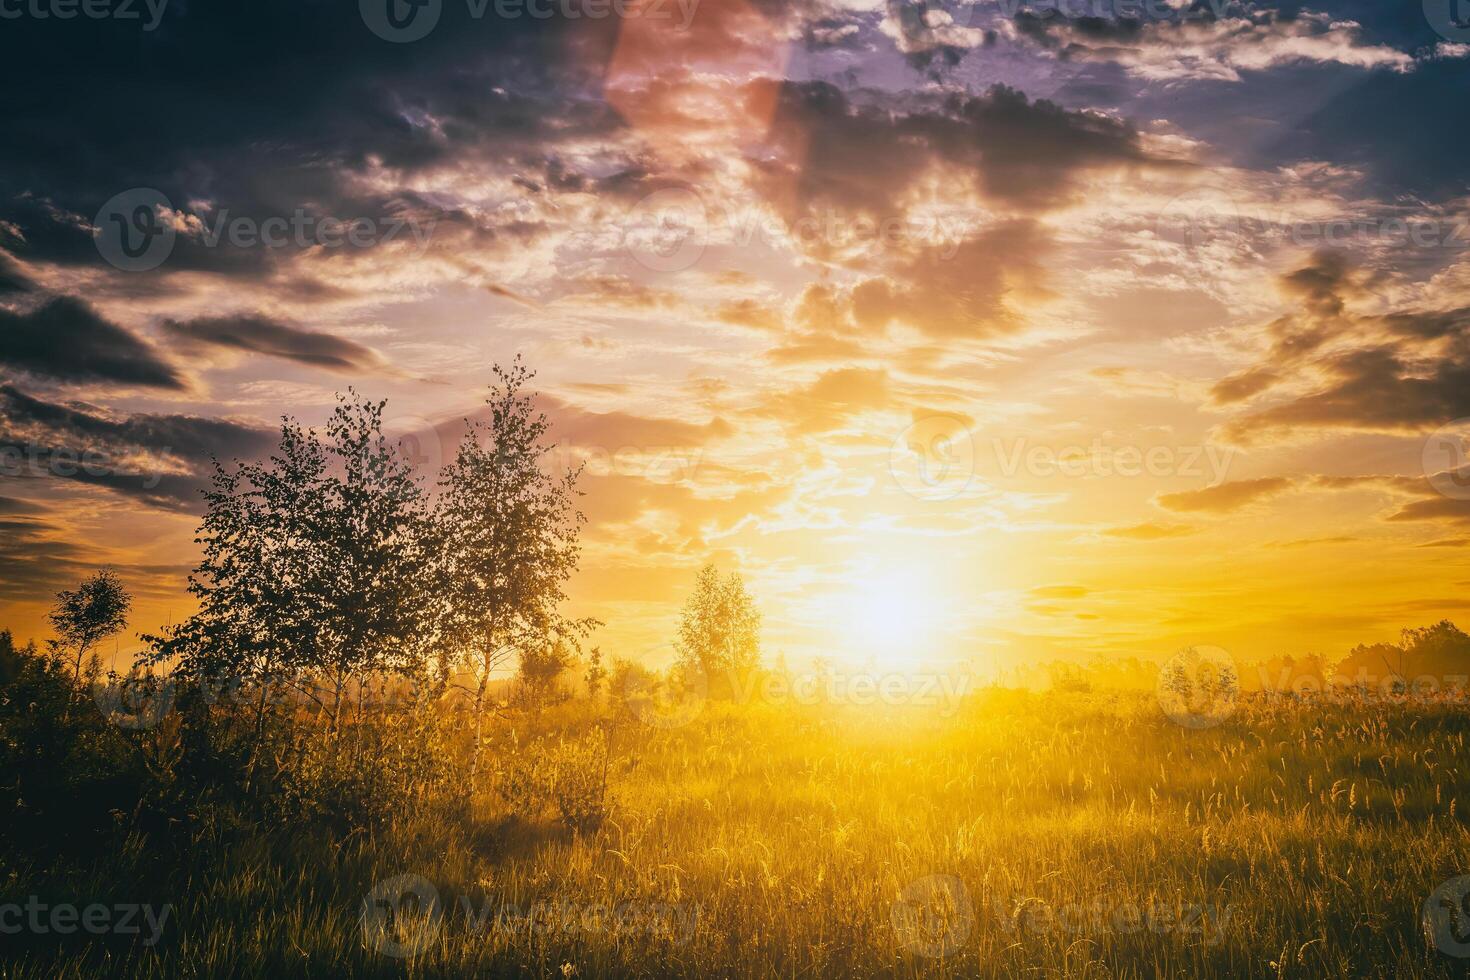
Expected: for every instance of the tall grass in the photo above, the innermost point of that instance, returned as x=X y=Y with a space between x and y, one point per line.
x=1029 y=834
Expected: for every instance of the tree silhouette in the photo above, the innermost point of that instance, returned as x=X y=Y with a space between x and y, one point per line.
x=314 y=566
x=507 y=541
x=83 y=617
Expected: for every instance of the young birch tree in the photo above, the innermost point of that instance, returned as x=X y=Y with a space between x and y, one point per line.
x=89 y=614
x=719 y=630
x=508 y=542
x=313 y=567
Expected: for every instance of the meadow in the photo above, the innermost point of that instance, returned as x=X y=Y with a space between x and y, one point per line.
x=378 y=749
x=1026 y=833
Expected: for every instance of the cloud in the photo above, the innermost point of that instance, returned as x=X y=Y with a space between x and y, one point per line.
x=830 y=400
x=1197 y=44
x=1224 y=497
x=161 y=460
x=612 y=431
x=254 y=333
x=1314 y=542
x=749 y=313
x=1330 y=367
x=864 y=157
x=66 y=340
x=1434 y=508
x=12 y=279
x=337 y=127
x=39 y=561
x=963 y=291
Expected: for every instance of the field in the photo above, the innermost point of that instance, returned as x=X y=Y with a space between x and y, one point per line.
x=1025 y=834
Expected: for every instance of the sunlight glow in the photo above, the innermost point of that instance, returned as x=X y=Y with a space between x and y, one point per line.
x=892 y=618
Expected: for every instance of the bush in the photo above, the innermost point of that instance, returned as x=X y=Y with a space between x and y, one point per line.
x=566 y=774
x=65 y=771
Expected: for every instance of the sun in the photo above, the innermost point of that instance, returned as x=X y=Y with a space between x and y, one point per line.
x=893 y=618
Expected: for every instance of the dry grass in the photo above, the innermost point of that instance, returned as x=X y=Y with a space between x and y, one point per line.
x=1077 y=835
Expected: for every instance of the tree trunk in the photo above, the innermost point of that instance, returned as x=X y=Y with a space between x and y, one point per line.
x=256 y=740
x=76 y=677
x=479 y=729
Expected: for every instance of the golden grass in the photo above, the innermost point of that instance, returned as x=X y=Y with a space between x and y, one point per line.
x=1041 y=835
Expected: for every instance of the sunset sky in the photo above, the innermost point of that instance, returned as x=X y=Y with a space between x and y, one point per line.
x=1053 y=334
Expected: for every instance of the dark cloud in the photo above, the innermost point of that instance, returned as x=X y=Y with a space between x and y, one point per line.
x=1421 y=133
x=1373 y=389
x=16 y=505
x=67 y=340
x=258 y=334
x=38 y=560
x=12 y=280
x=861 y=156
x=611 y=431
x=256 y=111
x=1400 y=372
x=961 y=289
x=162 y=460
x=1196 y=43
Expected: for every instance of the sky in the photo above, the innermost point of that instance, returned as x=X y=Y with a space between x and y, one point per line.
x=1001 y=332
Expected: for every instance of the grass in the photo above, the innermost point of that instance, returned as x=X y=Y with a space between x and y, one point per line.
x=1029 y=834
